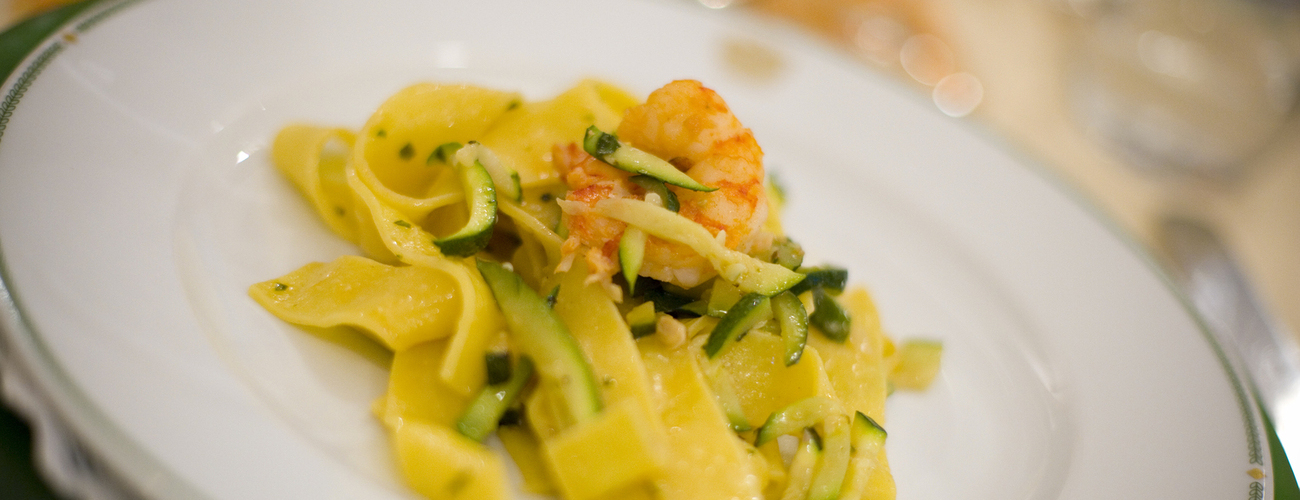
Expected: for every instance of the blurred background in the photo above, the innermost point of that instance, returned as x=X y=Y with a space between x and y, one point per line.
x=1150 y=109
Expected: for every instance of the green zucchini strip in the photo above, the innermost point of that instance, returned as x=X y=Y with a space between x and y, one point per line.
x=802 y=466
x=799 y=415
x=505 y=178
x=725 y=393
x=748 y=273
x=481 y=196
x=538 y=332
x=788 y=254
x=656 y=186
x=833 y=279
x=868 y=440
x=748 y=312
x=481 y=416
x=642 y=320
x=826 y=484
x=793 y=319
x=498 y=367
x=631 y=253
x=722 y=296
x=829 y=316
x=444 y=153
x=607 y=148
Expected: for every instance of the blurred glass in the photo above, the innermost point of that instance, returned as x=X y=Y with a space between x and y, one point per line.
x=903 y=37
x=1186 y=86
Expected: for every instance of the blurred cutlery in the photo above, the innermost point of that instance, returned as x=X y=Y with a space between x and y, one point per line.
x=1220 y=292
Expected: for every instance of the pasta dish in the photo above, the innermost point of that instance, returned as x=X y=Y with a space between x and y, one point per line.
x=602 y=285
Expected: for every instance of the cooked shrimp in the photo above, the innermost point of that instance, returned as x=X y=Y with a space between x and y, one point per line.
x=590 y=180
x=693 y=128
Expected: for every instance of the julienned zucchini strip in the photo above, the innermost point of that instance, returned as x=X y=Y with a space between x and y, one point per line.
x=829 y=316
x=746 y=272
x=845 y=458
x=832 y=279
x=868 y=442
x=656 y=186
x=803 y=465
x=834 y=465
x=744 y=315
x=483 y=177
x=483 y=413
x=799 y=415
x=505 y=178
x=791 y=316
x=482 y=197
x=538 y=332
x=631 y=253
x=607 y=148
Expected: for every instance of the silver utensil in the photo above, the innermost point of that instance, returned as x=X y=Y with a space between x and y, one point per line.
x=1223 y=296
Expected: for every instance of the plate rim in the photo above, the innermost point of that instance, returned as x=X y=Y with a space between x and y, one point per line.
x=116 y=461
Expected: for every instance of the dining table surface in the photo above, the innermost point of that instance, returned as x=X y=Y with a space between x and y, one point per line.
x=1013 y=68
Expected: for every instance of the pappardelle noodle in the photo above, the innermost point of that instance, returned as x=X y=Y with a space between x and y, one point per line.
x=602 y=284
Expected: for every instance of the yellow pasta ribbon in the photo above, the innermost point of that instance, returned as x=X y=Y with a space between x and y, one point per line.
x=440 y=463
x=416 y=390
x=708 y=461
x=313 y=158
x=762 y=386
x=602 y=333
x=394 y=153
x=399 y=306
x=526 y=222
x=463 y=368
x=523 y=137
x=857 y=370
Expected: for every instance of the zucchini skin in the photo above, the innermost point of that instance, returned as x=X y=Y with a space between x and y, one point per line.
x=665 y=301
x=631 y=253
x=443 y=153
x=538 y=332
x=607 y=148
x=498 y=367
x=641 y=320
x=656 y=186
x=742 y=316
x=788 y=254
x=866 y=432
x=793 y=319
x=485 y=411
x=833 y=279
x=799 y=415
x=746 y=272
x=829 y=316
x=481 y=195
x=803 y=465
x=834 y=464
x=505 y=179
x=868 y=440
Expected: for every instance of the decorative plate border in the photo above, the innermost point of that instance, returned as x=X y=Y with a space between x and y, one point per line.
x=104 y=465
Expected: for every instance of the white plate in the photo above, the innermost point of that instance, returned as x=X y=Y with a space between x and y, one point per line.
x=137 y=204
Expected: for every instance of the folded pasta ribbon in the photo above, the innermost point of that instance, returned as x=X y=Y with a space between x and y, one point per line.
x=314 y=158
x=398 y=306
x=396 y=154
